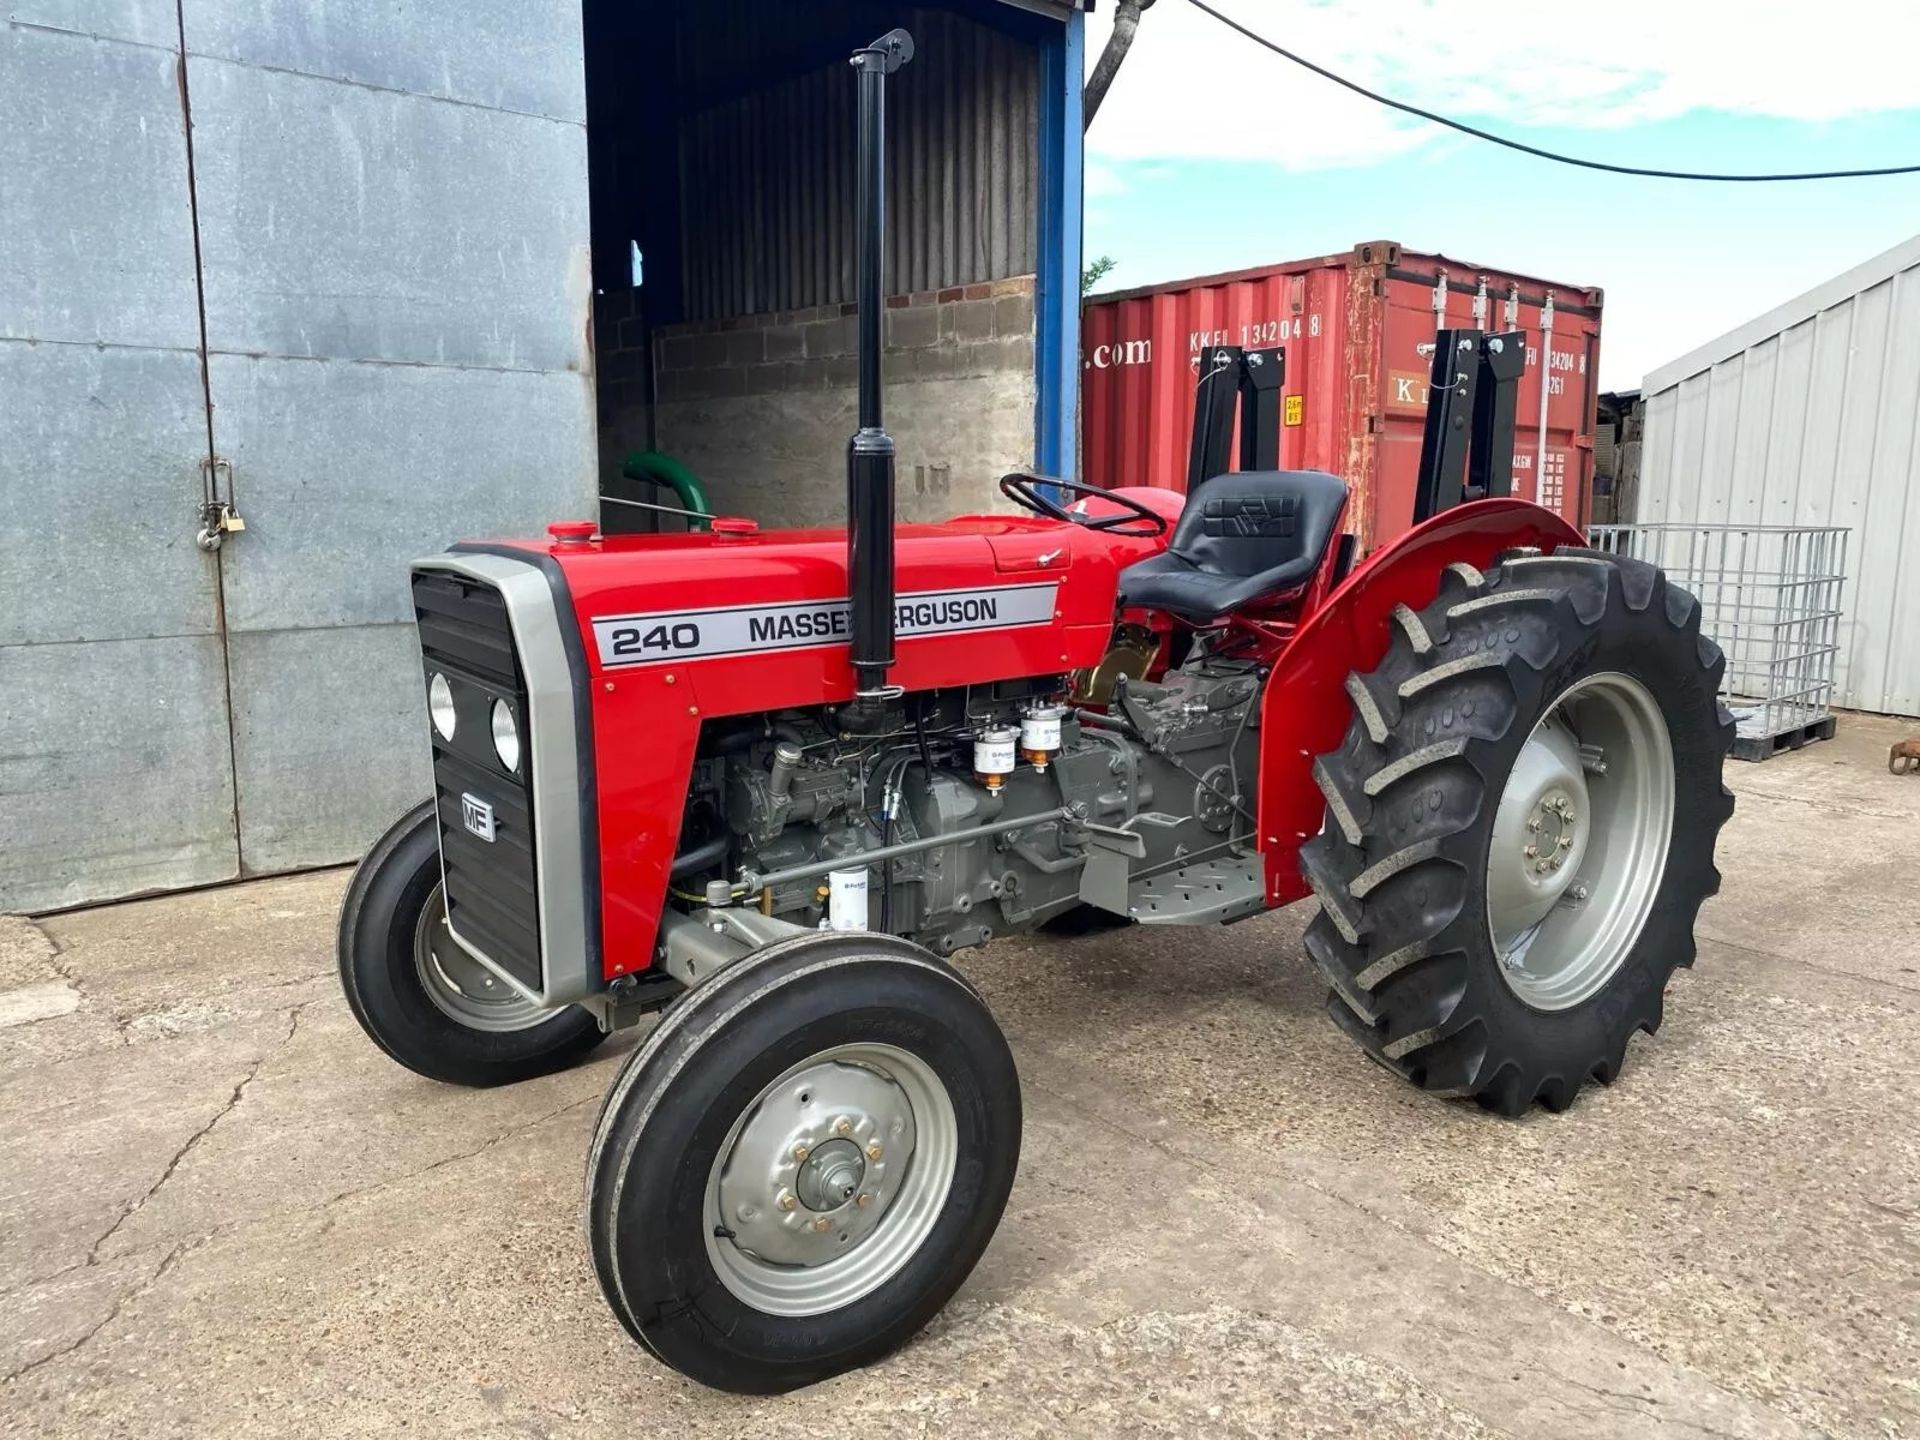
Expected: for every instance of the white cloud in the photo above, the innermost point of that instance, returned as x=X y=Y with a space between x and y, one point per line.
x=1100 y=180
x=1192 y=87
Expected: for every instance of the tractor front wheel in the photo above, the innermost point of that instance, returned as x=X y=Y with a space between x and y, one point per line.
x=419 y=995
x=1520 y=827
x=803 y=1162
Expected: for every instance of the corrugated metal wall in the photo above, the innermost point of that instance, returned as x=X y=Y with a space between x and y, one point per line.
x=767 y=179
x=376 y=272
x=1807 y=417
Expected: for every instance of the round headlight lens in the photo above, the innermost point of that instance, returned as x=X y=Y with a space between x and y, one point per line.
x=506 y=735
x=440 y=705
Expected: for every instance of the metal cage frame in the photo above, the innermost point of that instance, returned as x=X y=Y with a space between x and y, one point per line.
x=1770 y=596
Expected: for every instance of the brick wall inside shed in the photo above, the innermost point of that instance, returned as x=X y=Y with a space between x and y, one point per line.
x=622 y=373
x=761 y=406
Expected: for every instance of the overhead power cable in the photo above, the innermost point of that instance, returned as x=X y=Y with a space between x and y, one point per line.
x=1465 y=129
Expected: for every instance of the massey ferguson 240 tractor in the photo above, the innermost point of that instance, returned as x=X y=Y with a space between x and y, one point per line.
x=771 y=781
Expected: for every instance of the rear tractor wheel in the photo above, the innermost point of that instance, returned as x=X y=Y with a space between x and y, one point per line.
x=803 y=1162
x=1520 y=827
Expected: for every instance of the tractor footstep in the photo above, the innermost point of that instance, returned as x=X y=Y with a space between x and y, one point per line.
x=1206 y=893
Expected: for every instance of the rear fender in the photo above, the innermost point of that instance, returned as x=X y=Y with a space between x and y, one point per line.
x=1305 y=710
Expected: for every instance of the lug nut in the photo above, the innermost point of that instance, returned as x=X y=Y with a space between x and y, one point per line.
x=1566 y=842
x=843 y=1126
x=864 y=1200
x=874 y=1151
x=1540 y=868
x=787 y=1200
x=1531 y=852
x=800 y=1152
x=822 y=1225
x=1533 y=825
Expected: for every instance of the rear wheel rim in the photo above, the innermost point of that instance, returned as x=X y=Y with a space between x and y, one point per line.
x=1580 y=840
x=459 y=986
x=831 y=1180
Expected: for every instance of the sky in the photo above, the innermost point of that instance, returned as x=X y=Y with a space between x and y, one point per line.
x=1212 y=154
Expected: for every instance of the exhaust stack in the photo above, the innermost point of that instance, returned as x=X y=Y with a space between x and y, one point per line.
x=870 y=451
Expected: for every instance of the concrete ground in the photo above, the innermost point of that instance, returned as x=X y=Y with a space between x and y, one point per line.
x=223 y=1212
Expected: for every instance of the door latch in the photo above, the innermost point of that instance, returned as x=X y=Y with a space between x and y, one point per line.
x=218 y=519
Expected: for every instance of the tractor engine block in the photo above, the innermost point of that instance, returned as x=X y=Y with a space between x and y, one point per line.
x=1169 y=763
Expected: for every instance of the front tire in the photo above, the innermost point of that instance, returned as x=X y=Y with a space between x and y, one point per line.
x=803 y=1162
x=1520 y=827
x=423 y=999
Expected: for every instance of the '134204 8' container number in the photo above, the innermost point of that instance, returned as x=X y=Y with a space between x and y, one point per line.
x=1272 y=332
x=1253 y=333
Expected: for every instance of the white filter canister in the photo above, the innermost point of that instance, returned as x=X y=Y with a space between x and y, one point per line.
x=993 y=752
x=1040 y=729
x=847 y=899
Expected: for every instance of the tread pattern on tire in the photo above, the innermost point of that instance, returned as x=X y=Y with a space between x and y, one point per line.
x=1409 y=799
x=644 y=1083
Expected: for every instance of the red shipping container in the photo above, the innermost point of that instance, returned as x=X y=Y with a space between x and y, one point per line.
x=1357 y=330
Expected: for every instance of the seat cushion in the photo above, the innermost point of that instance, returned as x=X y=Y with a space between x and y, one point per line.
x=1243 y=537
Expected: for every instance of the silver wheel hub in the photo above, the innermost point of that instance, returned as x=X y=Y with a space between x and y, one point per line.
x=1580 y=841
x=813 y=1171
x=459 y=986
x=831 y=1180
x=1540 y=830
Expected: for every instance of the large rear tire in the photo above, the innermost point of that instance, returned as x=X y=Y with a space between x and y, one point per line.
x=419 y=996
x=1520 y=827
x=803 y=1162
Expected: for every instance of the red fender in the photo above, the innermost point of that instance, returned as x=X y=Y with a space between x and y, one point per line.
x=1306 y=710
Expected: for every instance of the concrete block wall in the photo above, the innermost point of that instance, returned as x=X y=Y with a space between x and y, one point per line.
x=761 y=406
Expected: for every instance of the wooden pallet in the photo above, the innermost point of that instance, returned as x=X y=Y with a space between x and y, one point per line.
x=1765 y=747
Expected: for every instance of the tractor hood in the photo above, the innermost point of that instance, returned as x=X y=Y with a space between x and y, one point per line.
x=755 y=619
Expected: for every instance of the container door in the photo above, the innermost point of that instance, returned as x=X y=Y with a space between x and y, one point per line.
x=115 y=775
x=1140 y=370
x=1552 y=447
x=393 y=222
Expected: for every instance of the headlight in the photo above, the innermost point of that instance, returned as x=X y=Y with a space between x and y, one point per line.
x=506 y=735
x=440 y=705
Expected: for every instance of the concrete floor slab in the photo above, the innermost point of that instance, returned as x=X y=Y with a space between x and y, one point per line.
x=222 y=1212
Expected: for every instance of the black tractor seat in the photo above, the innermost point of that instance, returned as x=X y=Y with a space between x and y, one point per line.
x=1246 y=536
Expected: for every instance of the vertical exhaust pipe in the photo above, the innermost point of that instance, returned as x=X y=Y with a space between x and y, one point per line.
x=870 y=451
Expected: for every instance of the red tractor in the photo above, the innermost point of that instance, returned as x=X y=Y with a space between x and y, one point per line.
x=771 y=781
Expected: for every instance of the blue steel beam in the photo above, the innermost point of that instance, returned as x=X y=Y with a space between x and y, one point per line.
x=1057 y=285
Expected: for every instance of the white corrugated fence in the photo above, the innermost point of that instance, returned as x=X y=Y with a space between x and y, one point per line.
x=1807 y=416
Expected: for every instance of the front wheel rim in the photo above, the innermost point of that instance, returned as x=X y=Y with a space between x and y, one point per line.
x=831 y=1180
x=459 y=986
x=1580 y=841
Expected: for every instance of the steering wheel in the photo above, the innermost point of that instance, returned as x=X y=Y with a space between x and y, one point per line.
x=1024 y=490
